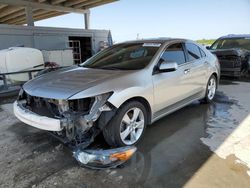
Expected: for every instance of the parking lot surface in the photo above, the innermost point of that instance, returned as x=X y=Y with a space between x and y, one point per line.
x=198 y=146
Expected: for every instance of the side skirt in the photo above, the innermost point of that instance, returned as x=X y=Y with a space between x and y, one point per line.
x=174 y=107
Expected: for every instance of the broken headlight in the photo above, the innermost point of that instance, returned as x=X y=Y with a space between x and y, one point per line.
x=21 y=94
x=81 y=105
x=89 y=104
x=104 y=158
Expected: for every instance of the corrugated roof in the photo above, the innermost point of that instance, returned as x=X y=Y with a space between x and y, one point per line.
x=14 y=11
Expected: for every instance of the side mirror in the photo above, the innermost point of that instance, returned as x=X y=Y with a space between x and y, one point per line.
x=168 y=66
x=208 y=47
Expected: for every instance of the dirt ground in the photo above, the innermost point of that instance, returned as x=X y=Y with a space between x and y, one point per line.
x=198 y=146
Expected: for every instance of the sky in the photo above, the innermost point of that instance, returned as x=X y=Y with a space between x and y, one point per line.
x=192 y=19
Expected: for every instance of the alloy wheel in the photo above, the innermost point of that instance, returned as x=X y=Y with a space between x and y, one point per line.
x=211 y=88
x=132 y=126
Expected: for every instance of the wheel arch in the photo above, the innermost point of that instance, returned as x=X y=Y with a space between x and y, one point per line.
x=145 y=103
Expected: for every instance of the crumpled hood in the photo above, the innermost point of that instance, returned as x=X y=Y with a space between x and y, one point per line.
x=64 y=83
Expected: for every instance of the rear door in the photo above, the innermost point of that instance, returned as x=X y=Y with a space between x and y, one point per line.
x=198 y=65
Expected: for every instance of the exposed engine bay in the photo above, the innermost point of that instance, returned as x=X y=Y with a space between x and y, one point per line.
x=81 y=120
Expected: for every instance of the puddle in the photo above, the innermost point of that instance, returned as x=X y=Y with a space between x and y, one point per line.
x=229 y=128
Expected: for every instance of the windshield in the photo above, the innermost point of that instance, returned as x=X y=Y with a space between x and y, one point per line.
x=125 y=56
x=243 y=43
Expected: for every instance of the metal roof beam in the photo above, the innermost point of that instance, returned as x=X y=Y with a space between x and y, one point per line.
x=73 y=2
x=86 y=3
x=11 y=16
x=99 y=3
x=21 y=13
x=22 y=20
x=42 y=6
x=55 y=2
x=2 y=6
x=9 y=10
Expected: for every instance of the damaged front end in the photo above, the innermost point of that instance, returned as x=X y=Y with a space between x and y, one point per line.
x=76 y=122
x=234 y=62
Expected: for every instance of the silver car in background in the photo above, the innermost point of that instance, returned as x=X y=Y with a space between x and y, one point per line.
x=119 y=91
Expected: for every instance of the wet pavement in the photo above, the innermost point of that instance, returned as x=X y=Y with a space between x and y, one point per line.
x=183 y=149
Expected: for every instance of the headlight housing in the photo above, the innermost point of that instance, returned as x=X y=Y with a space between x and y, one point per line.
x=99 y=159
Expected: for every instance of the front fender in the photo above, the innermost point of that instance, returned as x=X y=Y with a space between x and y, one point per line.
x=119 y=97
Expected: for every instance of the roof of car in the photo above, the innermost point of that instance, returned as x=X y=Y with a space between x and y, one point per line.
x=156 y=40
x=235 y=36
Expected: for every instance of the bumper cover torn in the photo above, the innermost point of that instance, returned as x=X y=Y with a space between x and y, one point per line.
x=40 y=122
x=74 y=122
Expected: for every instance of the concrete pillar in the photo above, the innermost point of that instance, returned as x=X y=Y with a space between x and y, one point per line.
x=86 y=20
x=29 y=16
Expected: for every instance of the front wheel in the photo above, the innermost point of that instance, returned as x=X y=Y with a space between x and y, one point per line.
x=211 y=89
x=127 y=127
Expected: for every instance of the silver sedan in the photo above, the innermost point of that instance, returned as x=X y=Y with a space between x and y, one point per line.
x=119 y=91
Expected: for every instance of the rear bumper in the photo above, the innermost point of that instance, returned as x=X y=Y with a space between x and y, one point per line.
x=35 y=120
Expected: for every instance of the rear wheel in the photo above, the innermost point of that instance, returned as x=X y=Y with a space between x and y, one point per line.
x=211 y=89
x=127 y=127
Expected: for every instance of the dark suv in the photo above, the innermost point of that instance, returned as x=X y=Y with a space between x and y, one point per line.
x=233 y=52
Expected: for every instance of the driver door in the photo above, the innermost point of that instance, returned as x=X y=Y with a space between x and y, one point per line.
x=172 y=87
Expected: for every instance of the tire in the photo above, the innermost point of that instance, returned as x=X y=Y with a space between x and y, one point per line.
x=121 y=125
x=210 y=94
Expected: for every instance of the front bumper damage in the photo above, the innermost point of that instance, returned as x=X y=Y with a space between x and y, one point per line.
x=40 y=122
x=76 y=124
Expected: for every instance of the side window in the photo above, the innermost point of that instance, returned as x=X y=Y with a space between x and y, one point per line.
x=203 y=54
x=174 y=53
x=193 y=51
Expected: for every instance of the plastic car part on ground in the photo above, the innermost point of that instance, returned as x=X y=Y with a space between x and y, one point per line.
x=101 y=159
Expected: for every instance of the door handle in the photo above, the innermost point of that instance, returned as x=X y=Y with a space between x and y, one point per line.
x=186 y=71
